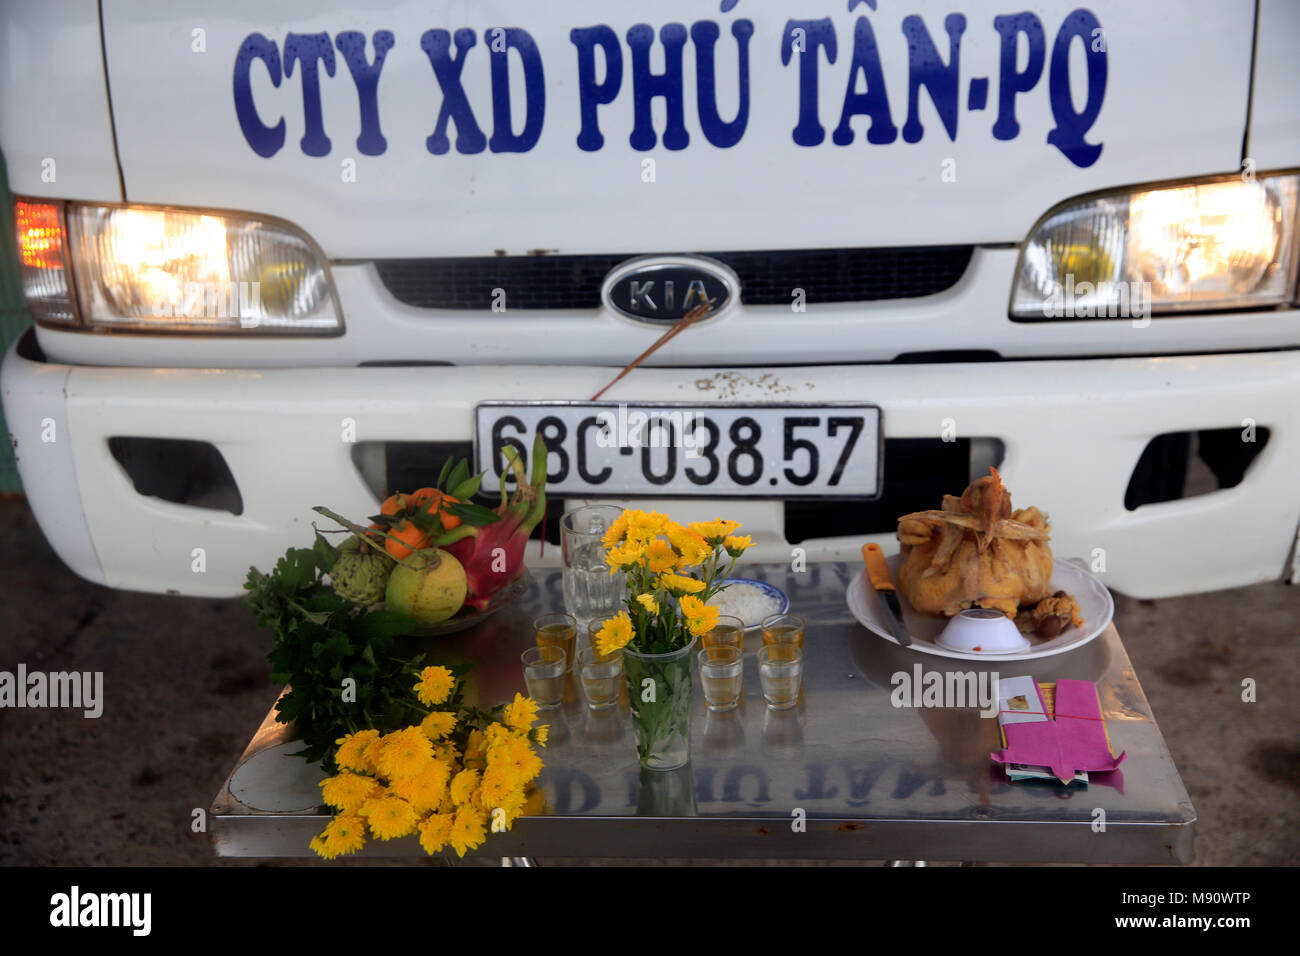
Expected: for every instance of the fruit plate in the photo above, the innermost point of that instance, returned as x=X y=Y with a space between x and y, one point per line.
x=508 y=595
x=1096 y=606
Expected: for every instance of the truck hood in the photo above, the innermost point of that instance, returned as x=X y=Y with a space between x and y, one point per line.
x=470 y=129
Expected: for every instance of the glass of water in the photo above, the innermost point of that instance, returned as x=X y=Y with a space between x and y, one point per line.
x=601 y=678
x=590 y=591
x=722 y=671
x=780 y=669
x=729 y=631
x=544 y=674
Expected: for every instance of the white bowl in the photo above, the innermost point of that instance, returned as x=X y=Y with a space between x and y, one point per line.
x=981 y=630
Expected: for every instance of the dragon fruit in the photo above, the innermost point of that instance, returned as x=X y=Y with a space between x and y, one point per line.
x=492 y=553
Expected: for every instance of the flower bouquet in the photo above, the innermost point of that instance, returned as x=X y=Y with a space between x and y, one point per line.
x=672 y=572
x=451 y=779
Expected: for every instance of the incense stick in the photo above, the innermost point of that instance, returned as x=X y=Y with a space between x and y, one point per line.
x=696 y=313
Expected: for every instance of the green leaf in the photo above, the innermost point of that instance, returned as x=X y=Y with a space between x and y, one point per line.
x=458 y=475
x=468 y=488
x=430 y=524
x=441 y=483
x=473 y=514
x=376 y=626
x=326 y=553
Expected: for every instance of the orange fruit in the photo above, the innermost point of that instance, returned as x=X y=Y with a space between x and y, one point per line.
x=421 y=495
x=449 y=521
x=410 y=538
x=394 y=505
x=436 y=500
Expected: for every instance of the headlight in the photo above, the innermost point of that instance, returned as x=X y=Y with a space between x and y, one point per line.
x=1229 y=243
x=154 y=269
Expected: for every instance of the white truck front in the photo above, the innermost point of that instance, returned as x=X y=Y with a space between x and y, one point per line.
x=285 y=254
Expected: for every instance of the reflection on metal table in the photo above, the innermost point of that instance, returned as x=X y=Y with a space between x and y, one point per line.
x=845 y=775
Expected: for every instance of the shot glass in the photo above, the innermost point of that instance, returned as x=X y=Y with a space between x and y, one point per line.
x=722 y=670
x=780 y=670
x=601 y=678
x=783 y=629
x=557 y=630
x=544 y=674
x=728 y=632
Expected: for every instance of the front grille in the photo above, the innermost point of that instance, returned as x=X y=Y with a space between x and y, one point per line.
x=766 y=278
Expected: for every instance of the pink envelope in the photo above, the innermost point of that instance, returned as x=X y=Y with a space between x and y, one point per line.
x=1073 y=739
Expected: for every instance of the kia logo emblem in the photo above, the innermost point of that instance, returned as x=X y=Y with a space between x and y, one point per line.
x=664 y=288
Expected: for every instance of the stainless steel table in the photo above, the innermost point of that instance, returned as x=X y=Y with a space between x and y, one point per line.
x=844 y=776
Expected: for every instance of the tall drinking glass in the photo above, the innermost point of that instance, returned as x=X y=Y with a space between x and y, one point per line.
x=590 y=591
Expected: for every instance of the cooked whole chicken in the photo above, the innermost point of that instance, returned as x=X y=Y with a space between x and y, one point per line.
x=975 y=552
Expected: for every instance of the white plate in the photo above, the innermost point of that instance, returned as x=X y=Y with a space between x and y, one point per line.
x=1096 y=606
x=769 y=590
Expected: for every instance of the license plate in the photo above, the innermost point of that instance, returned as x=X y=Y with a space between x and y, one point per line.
x=667 y=449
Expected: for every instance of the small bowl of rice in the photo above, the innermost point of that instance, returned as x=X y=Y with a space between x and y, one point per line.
x=750 y=600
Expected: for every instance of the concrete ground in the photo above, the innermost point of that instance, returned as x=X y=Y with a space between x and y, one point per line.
x=188 y=682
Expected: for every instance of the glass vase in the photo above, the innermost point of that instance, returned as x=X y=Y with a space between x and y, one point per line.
x=659 y=693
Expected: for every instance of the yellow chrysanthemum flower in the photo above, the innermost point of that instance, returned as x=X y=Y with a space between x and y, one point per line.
x=736 y=545
x=713 y=532
x=515 y=754
x=372 y=751
x=346 y=833
x=642 y=526
x=500 y=783
x=679 y=584
x=389 y=816
x=438 y=724
x=624 y=556
x=648 y=602
x=348 y=790
x=691 y=549
x=405 y=753
x=614 y=633
x=435 y=685
x=540 y=735
x=660 y=556
x=476 y=749
x=464 y=785
x=468 y=830
x=435 y=832
x=426 y=791
x=352 y=755
x=510 y=807
x=616 y=531
x=495 y=733
x=700 y=617
x=446 y=750
x=520 y=714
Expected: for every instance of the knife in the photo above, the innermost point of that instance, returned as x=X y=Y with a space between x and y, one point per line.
x=878 y=575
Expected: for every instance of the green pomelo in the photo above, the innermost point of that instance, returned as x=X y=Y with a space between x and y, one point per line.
x=429 y=585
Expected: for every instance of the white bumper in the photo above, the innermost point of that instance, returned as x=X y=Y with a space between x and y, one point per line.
x=1073 y=431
